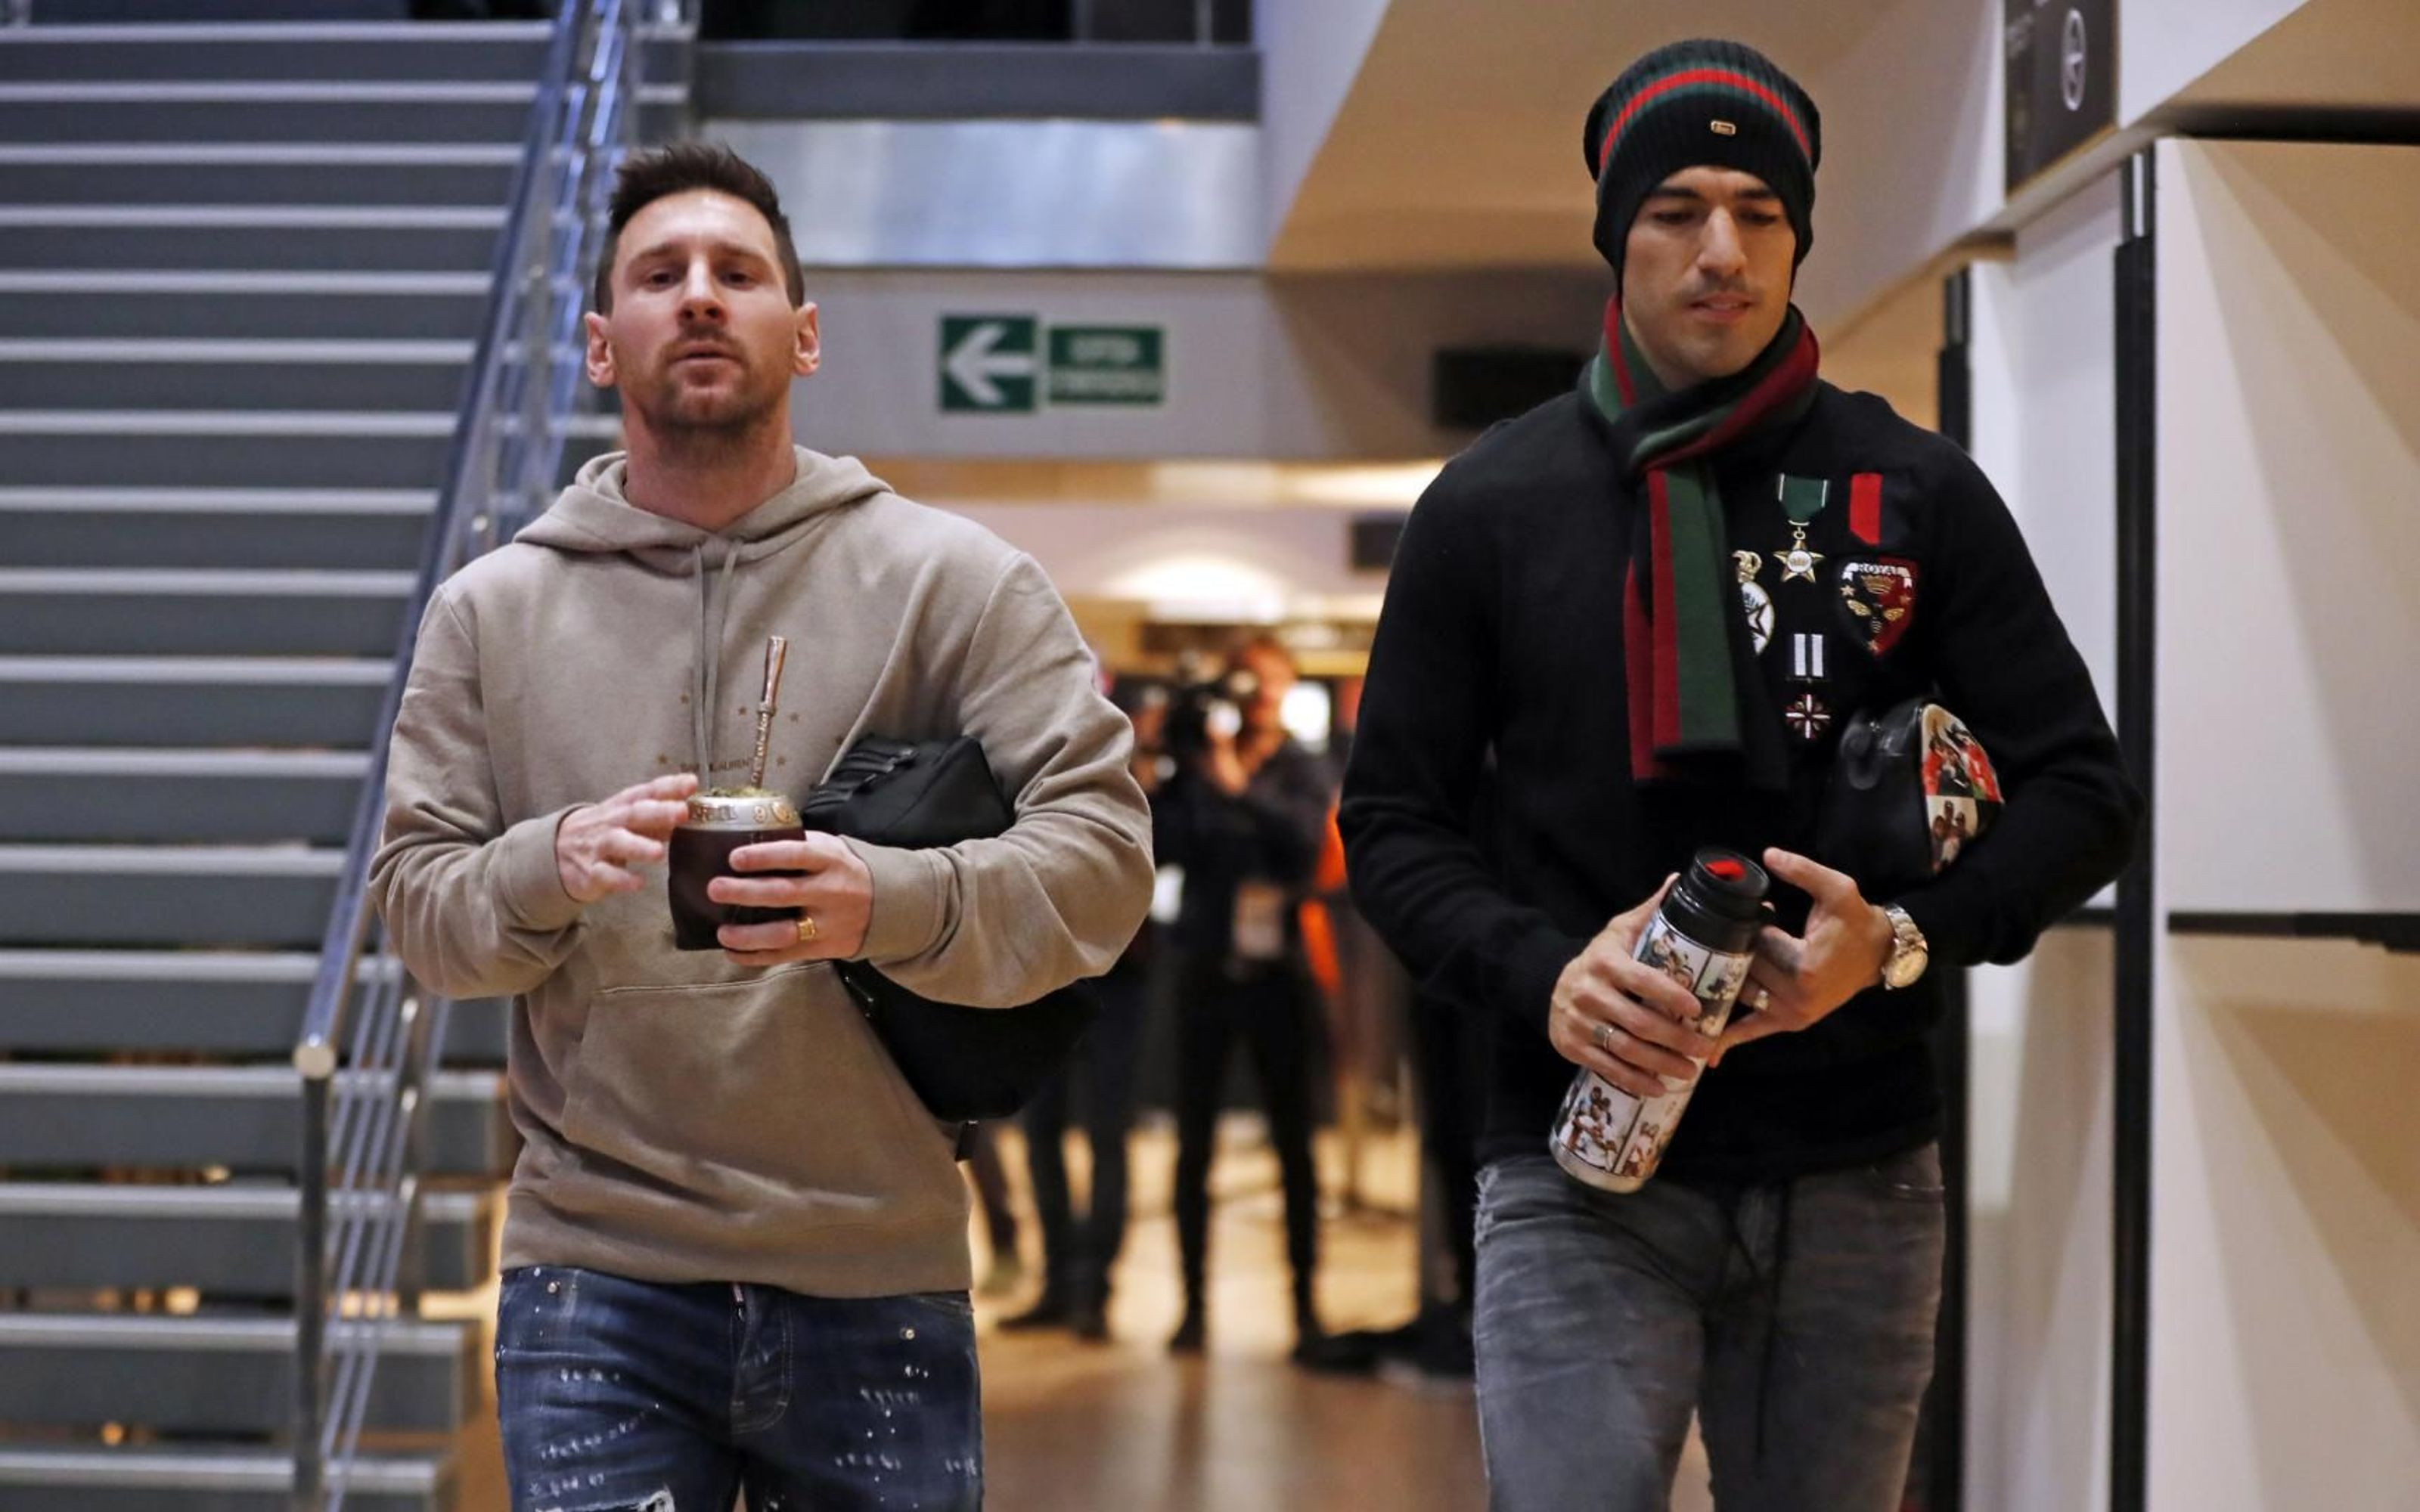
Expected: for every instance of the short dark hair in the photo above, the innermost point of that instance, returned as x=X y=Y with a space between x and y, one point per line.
x=658 y=173
x=1261 y=643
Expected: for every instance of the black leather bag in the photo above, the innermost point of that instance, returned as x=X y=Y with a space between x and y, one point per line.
x=1911 y=789
x=964 y=1063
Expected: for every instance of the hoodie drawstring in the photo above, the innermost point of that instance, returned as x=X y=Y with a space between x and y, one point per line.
x=706 y=673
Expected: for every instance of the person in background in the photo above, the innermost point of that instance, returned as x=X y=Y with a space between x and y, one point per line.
x=1005 y=1266
x=1243 y=815
x=1079 y=1250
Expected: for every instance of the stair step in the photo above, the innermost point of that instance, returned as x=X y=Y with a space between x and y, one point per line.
x=246 y=449
x=191 y=701
x=245 y=1004
x=185 y=110
x=211 y=1374
x=118 y=373
x=100 y=14
x=73 y=302
x=228 y=1241
x=198 y=1478
x=79 y=895
x=308 y=111
x=359 y=528
x=285 y=51
x=255 y=172
x=365 y=51
x=191 y=796
x=250 y=238
x=242 y=1117
x=207 y=611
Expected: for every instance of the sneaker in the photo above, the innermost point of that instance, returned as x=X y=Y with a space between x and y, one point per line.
x=1336 y=1354
x=1190 y=1335
x=1047 y=1311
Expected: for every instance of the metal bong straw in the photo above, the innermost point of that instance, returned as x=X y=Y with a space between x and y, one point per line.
x=776 y=649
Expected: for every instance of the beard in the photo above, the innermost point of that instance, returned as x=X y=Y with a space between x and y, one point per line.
x=685 y=414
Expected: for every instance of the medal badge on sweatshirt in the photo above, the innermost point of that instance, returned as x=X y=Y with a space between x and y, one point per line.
x=1802 y=499
x=1754 y=601
x=1878 y=598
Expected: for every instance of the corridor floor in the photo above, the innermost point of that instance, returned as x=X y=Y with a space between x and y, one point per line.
x=1123 y=1426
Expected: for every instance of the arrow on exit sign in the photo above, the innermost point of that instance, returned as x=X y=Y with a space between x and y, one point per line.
x=988 y=362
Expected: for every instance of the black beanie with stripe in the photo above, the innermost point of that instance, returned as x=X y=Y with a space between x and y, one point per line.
x=1703 y=103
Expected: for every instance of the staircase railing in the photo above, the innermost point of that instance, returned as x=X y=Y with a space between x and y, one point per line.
x=370 y=1039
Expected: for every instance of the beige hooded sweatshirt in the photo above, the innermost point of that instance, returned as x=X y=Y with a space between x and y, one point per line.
x=686 y=1118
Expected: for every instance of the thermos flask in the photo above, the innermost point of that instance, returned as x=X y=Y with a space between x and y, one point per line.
x=1703 y=937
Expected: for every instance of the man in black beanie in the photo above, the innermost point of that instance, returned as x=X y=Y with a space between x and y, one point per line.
x=1642 y=616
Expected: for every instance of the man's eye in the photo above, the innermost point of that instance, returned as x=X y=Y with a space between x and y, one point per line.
x=738 y=277
x=1673 y=217
x=660 y=277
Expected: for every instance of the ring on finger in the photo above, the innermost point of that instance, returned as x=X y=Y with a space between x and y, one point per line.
x=807 y=930
x=1603 y=1038
x=1757 y=998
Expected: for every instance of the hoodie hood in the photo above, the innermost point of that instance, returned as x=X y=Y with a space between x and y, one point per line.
x=593 y=517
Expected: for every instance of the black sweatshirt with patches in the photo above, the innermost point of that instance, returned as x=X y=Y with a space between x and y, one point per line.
x=1497 y=667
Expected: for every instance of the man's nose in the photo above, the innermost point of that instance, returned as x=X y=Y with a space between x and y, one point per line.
x=700 y=298
x=1719 y=251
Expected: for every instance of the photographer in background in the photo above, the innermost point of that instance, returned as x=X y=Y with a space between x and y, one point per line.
x=1243 y=814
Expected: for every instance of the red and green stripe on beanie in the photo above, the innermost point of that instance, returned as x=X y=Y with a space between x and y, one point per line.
x=1703 y=103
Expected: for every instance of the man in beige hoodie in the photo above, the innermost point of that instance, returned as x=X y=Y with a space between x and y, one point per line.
x=735 y=1255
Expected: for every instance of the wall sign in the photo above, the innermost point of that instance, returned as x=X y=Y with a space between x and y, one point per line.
x=987 y=363
x=1010 y=364
x=2062 y=78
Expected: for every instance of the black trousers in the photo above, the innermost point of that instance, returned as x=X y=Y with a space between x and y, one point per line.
x=1450 y=1049
x=1078 y=1253
x=1270 y=1010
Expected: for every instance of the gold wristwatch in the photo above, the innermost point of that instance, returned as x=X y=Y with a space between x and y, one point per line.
x=1909 y=955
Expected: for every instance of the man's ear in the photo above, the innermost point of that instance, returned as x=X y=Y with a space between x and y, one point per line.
x=600 y=352
x=807 y=341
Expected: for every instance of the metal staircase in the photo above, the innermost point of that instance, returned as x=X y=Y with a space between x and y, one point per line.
x=245 y=273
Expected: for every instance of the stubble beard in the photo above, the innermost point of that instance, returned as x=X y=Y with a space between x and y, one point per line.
x=698 y=426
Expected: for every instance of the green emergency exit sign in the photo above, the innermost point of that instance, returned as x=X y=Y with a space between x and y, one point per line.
x=1011 y=365
x=1107 y=365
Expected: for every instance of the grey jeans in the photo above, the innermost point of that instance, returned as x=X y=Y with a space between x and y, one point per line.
x=1795 y=1319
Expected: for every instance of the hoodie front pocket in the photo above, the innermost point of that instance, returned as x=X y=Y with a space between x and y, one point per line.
x=767 y=1091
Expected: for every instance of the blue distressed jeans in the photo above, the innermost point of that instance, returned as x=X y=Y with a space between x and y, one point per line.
x=1795 y=1319
x=641 y=1398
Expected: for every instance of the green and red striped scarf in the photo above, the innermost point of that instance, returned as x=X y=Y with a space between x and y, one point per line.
x=1678 y=599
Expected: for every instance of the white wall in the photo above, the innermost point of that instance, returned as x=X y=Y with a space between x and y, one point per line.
x=2289 y=483
x=2038 y=1225
x=2285 y=1221
x=2066 y=407
x=2038 y=1229
x=2164 y=45
x=1324 y=368
x=1911 y=149
x=1311 y=53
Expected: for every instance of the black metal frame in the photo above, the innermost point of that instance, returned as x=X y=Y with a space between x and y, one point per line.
x=2136 y=287
x=1945 y=1407
x=2396 y=931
